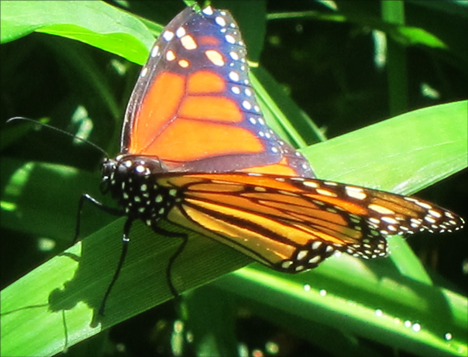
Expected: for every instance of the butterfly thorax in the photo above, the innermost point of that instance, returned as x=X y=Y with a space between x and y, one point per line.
x=132 y=181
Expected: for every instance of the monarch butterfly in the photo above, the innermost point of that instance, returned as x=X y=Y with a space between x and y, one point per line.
x=195 y=150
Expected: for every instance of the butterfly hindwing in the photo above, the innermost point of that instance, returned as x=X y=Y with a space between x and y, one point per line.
x=292 y=224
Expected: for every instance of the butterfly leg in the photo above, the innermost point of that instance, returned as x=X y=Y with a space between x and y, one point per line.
x=123 y=254
x=125 y=239
x=87 y=198
x=174 y=256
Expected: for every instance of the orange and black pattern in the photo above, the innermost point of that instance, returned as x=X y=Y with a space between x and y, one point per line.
x=196 y=150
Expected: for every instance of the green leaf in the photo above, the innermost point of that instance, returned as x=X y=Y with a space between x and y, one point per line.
x=93 y=22
x=88 y=267
x=403 y=155
x=369 y=300
x=59 y=300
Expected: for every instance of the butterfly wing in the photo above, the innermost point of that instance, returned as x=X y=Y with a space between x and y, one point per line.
x=193 y=106
x=292 y=224
x=196 y=150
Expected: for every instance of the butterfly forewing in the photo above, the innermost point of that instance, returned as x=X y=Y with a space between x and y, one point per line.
x=193 y=106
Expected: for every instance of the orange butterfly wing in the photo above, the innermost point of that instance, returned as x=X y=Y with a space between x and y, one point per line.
x=194 y=109
x=292 y=224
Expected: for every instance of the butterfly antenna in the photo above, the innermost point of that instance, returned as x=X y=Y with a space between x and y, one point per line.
x=35 y=122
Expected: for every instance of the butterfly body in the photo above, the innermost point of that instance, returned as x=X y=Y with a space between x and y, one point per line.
x=131 y=180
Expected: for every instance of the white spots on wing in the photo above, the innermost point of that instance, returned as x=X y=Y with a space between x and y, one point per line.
x=170 y=55
x=355 y=192
x=380 y=209
x=215 y=57
x=230 y=39
x=324 y=192
x=315 y=260
x=302 y=254
x=286 y=264
x=180 y=32
x=155 y=51
x=183 y=63
x=168 y=35
x=246 y=105
x=188 y=42
x=434 y=213
x=234 y=55
x=389 y=220
x=208 y=10
x=234 y=76
x=235 y=90
x=311 y=184
x=220 y=21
